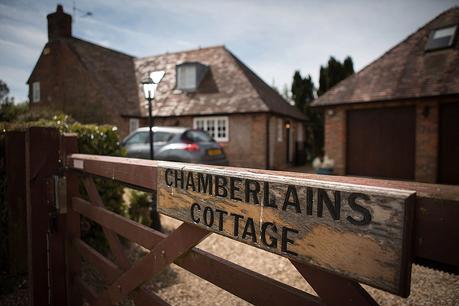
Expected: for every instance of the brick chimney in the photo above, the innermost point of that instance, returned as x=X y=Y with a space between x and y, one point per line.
x=59 y=24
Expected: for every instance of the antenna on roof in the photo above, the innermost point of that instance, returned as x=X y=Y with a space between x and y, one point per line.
x=84 y=13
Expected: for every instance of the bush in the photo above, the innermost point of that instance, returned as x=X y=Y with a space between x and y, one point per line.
x=92 y=139
x=140 y=206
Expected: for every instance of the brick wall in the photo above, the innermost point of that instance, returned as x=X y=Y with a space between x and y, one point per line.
x=426 y=142
x=65 y=86
x=335 y=138
x=247 y=138
x=427 y=138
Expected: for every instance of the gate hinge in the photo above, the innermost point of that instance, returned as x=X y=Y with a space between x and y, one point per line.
x=60 y=194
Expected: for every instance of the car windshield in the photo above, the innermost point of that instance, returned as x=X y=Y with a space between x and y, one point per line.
x=143 y=137
x=197 y=136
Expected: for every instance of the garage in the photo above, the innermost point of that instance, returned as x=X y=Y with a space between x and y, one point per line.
x=381 y=142
x=448 y=162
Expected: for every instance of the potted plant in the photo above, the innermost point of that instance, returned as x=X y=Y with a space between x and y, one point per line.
x=323 y=165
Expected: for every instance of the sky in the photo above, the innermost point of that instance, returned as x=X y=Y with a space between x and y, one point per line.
x=274 y=38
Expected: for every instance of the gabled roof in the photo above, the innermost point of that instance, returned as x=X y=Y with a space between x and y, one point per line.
x=228 y=86
x=112 y=70
x=405 y=71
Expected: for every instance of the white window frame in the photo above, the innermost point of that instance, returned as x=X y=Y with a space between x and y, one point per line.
x=133 y=124
x=36 y=92
x=280 y=130
x=211 y=125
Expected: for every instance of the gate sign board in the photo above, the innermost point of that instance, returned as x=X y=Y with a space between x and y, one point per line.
x=359 y=232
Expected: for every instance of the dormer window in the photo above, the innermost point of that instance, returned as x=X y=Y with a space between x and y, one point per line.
x=441 y=38
x=189 y=75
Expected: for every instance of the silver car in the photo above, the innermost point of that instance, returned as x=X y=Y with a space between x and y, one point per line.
x=175 y=144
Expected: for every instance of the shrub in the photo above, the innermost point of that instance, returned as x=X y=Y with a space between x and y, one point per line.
x=92 y=139
x=140 y=206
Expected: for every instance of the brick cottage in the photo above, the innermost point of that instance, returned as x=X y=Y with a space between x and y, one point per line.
x=399 y=116
x=206 y=88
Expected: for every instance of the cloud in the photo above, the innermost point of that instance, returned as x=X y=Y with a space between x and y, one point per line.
x=274 y=38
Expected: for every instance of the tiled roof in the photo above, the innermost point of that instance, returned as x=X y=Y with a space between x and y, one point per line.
x=405 y=71
x=228 y=87
x=113 y=71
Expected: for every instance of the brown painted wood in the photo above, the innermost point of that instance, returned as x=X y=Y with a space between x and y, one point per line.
x=112 y=238
x=111 y=272
x=138 y=173
x=15 y=158
x=42 y=164
x=253 y=287
x=163 y=254
x=132 y=230
x=70 y=146
x=203 y=264
x=141 y=296
x=381 y=142
x=334 y=290
x=430 y=198
x=373 y=253
x=448 y=161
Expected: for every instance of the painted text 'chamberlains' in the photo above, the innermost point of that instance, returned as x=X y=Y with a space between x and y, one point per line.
x=255 y=192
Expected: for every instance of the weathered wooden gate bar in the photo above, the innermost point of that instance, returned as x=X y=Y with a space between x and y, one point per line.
x=437 y=206
x=267 y=291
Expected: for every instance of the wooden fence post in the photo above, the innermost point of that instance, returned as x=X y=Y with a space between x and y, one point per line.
x=41 y=164
x=15 y=157
x=70 y=146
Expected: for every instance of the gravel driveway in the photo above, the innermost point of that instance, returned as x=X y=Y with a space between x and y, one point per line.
x=179 y=287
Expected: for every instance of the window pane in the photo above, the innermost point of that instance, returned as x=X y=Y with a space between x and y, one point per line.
x=137 y=138
x=197 y=136
x=186 y=77
x=211 y=127
x=133 y=124
x=221 y=128
x=444 y=32
x=162 y=137
x=36 y=91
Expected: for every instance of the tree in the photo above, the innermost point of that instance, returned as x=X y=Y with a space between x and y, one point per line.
x=333 y=73
x=9 y=111
x=302 y=95
x=4 y=91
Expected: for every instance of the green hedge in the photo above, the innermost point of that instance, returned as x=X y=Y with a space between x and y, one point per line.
x=92 y=139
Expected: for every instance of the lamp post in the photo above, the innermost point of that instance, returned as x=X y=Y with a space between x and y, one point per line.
x=149 y=89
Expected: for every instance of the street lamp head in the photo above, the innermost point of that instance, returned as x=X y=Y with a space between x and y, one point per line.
x=149 y=88
x=150 y=83
x=157 y=76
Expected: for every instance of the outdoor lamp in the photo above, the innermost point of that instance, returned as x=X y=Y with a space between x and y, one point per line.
x=149 y=89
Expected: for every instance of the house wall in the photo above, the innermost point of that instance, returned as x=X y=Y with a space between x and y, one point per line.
x=66 y=86
x=248 y=139
x=426 y=159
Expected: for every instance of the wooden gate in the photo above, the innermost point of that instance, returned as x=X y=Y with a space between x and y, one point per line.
x=55 y=207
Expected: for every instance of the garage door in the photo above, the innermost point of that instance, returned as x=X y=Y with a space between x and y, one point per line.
x=448 y=165
x=381 y=143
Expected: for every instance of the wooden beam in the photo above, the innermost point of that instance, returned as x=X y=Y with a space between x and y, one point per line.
x=163 y=254
x=70 y=145
x=203 y=264
x=335 y=290
x=140 y=296
x=138 y=173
